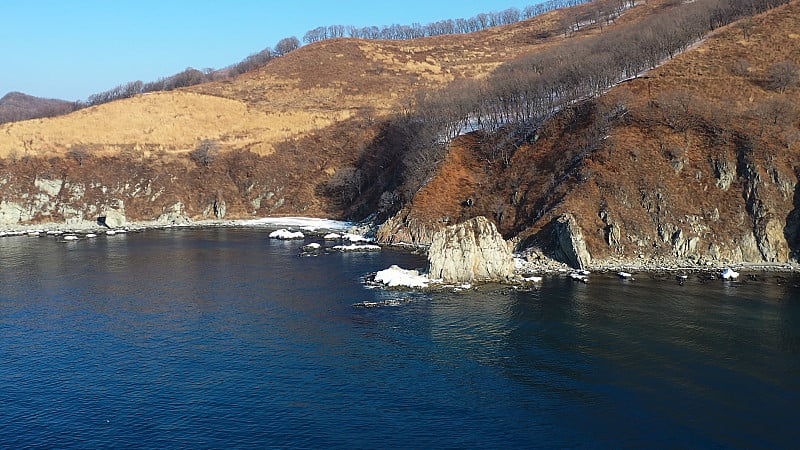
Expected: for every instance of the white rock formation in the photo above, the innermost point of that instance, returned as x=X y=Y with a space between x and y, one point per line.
x=473 y=251
x=113 y=218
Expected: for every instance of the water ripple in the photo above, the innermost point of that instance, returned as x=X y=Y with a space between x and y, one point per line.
x=221 y=338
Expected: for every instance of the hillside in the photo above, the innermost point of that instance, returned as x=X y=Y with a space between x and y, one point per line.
x=702 y=166
x=16 y=106
x=693 y=160
x=295 y=122
x=308 y=89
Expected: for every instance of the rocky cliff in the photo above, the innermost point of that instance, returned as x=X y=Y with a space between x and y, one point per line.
x=695 y=163
x=470 y=252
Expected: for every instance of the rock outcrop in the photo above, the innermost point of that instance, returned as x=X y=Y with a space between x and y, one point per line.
x=403 y=229
x=174 y=215
x=570 y=247
x=473 y=251
x=112 y=218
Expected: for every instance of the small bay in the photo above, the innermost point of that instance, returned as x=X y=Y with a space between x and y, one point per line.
x=209 y=338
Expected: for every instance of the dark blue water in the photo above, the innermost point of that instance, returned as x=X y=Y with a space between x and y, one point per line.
x=224 y=339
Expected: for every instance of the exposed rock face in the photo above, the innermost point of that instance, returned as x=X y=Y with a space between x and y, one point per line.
x=473 y=251
x=792 y=229
x=13 y=213
x=769 y=233
x=684 y=246
x=570 y=247
x=401 y=228
x=174 y=215
x=220 y=208
x=113 y=218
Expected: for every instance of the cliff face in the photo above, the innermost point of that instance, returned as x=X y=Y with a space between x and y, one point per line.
x=81 y=189
x=470 y=252
x=696 y=162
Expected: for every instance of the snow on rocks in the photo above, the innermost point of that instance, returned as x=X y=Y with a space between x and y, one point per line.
x=357 y=248
x=625 y=275
x=285 y=234
x=576 y=276
x=332 y=237
x=355 y=238
x=729 y=274
x=70 y=237
x=532 y=279
x=396 y=276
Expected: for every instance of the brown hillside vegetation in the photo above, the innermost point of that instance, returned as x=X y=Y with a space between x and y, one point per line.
x=704 y=163
x=16 y=106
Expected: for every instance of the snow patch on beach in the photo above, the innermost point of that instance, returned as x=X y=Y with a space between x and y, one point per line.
x=307 y=223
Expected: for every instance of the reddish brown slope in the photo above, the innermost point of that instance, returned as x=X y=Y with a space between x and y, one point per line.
x=703 y=165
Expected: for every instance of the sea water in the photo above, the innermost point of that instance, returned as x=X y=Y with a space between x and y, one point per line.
x=223 y=338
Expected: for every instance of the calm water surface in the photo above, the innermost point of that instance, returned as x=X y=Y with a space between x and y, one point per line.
x=222 y=338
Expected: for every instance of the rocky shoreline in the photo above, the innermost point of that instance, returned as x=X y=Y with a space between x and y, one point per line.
x=543 y=264
x=527 y=263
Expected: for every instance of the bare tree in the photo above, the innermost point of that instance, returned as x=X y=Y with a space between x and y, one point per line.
x=776 y=111
x=741 y=67
x=206 y=152
x=783 y=75
x=79 y=153
x=345 y=185
x=287 y=45
x=254 y=61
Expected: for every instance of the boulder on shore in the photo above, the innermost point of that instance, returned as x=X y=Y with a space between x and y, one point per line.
x=473 y=251
x=570 y=246
x=112 y=218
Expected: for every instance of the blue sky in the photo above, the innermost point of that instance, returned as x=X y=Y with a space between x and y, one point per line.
x=72 y=49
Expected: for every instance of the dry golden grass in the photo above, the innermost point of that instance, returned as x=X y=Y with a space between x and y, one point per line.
x=305 y=91
x=169 y=121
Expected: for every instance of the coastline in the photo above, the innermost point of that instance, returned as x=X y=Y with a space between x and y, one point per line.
x=525 y=265
x=83 y=227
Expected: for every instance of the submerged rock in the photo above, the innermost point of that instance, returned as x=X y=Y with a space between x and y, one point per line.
x=473 y=251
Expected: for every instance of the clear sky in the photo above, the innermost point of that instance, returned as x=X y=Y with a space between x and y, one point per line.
x=72 y=49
